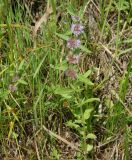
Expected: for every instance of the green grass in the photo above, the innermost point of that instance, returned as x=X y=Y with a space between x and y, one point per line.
x=94 y=109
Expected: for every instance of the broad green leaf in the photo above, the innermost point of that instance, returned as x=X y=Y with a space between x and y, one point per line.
x=122 y=5
x=87 y=113
x=79 y=122
x=91 y=136
x=82 y=132
x=87 y=73
x=72 y=125
x=84 y=49
x=67 y=96
x=55 y=154
x=90 y=100
x=64 y=92
x=71 y=9
x=3 y=94
x=129 y=118
x=62 y=36
x=85 y=80
x=21 y=65
x=14 y=135
x=109 y=103
x=76 y=88
x=89 y=147
x=22 y=82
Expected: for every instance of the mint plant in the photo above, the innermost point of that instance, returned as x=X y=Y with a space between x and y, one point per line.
x=81 y=106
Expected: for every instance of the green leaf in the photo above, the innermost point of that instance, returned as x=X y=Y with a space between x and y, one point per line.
x=14 y=135
x=85 y=80
x=76 y=88
x=122 y=5
x=87 y=73
x=66 y=96
x=62 y=36
x=129 y=40
x=55 y=154
x=21 y=64
x=125 y=81
x=3 y=94
x=82 y=132
x=39 y=66
x=62 y=67
x=129 y=118
x=79 y=122
x=22 y=82
x=91 y=136
x=71 y=10
x=84 y=49
x=90 y=100
x=64 y=92
x=125 y=51
x=53 y=3
x=72 y=125
x=87 y=113
x=89 y=147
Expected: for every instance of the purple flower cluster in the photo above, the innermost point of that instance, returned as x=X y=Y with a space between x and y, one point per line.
x=71 y=73
x=12 y=87
x=77 y=29
x=73 y=59
x=73 y=43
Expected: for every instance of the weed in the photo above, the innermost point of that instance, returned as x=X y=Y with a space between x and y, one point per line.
x=65 y=79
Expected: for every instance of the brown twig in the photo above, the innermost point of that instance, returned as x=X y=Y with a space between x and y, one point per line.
x=61 y=138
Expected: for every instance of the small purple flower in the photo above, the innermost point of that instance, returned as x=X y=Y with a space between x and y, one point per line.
x=75 y=18
x=73 y=59
x=77 y=29
x=73 y=43
x=12 y=88
x=71 y=73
